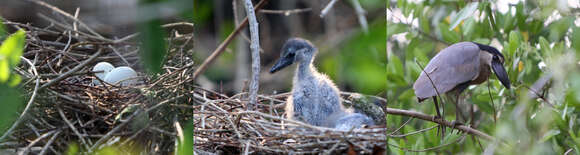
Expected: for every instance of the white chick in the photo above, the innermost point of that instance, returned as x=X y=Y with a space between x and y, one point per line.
x=102 y=66
x=123 y=76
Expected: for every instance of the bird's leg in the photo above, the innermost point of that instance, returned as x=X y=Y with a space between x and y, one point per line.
x=437 y=107
x=442 y=128
x=458 y=113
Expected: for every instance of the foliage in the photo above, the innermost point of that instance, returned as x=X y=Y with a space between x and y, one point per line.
x=10 y=52
x=362 y=58
x=527 y=126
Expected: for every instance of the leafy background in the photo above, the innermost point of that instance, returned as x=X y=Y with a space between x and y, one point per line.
x=538 y=38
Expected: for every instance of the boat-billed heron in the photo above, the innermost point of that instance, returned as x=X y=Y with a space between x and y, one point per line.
x=315 y=99
x=458 y=66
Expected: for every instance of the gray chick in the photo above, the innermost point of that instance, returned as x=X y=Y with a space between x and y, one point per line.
x=315 y=99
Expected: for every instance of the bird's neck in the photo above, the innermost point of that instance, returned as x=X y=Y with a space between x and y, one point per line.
x=305 y=71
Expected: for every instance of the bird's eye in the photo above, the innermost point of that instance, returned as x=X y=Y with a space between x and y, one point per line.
x=289 y=55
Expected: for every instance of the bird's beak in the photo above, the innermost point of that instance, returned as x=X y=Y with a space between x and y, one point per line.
x=283 y=62
x=500 y=73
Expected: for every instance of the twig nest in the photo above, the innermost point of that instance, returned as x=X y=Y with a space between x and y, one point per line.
x=123 y=76
x=105 y=67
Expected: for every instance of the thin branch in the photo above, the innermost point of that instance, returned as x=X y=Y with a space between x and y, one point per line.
x=327 y=8
x=74 y=70
x=255 y=47
x=221 y=48
x=360 y=12
x=426 y=117
x=41 y=3
x=286 y=12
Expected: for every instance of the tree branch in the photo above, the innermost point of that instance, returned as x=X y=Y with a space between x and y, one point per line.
x=255 y=47
x=426 y=117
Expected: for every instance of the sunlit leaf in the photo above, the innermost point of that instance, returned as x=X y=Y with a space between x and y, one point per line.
x=464 y=14
x=4 y=70
x=12 y=48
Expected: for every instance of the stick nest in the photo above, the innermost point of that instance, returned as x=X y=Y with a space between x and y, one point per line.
x=66 y=110
x=223 y=126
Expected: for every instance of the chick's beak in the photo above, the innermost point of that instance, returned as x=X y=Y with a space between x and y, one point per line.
x=282 y=63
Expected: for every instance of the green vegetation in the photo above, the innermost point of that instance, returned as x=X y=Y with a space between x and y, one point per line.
x=524 y=125
x=10 y=97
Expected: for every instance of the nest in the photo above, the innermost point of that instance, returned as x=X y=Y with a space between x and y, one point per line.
x=224 y=126
x=66 y=110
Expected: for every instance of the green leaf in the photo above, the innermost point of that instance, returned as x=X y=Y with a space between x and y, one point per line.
x=10 y=103
x=549 y=135
x=575 y=40
x=73 y=149
x=4 y=70
x=545 y=46
x=514 y=42
x=424 y=24
x=469 y=27
x=464 y=14
x=448 y=36
x=484 y=41
x=185 y=145
x=14 y=80
x=395 y=29
x=395 y=66
x=559 y=28
x=13 y=47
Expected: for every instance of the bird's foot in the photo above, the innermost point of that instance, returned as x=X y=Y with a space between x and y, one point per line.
x=456 y=123
x=436 y=118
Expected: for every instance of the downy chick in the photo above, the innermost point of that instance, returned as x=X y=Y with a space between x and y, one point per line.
x=315 y=99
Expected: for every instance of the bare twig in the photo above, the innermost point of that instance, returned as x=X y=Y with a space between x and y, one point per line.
x=50 y=141
x=255 y=46
x=327 y=8
x=41 y=3
x=286 y=12
x=72 y=127
x=25 y=151
x=360 y=12
x=74 y=70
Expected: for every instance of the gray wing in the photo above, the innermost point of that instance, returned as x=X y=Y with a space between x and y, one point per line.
x=454 y=65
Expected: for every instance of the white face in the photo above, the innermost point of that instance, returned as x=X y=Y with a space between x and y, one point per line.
x=485 y=57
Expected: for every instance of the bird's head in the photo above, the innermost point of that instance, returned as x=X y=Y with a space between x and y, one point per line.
x=496 y=63
x=295 y=50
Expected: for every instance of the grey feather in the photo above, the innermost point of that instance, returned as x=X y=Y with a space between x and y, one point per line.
x=453 y=65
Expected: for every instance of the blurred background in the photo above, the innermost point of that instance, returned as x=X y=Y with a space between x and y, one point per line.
x=351 y=52
x=540 y=40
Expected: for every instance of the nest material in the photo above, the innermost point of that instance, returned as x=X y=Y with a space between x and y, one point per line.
x=67 y=109
x=223 y=126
